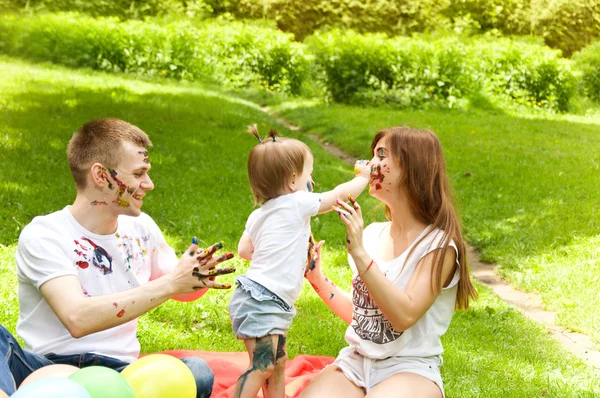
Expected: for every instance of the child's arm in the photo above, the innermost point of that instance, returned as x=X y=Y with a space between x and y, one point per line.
x=353 y=187
x=245 y=247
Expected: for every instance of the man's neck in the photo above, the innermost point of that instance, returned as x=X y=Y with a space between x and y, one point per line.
x=98 y=219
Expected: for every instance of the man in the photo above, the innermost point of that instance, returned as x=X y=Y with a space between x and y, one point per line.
x=87 y=272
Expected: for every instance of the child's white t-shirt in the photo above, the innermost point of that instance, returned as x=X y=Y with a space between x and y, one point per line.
x=56 y=245
x=279 y=231
x=370 y=333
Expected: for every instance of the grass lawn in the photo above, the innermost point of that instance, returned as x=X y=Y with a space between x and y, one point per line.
x=526 y=186
x=199 y=154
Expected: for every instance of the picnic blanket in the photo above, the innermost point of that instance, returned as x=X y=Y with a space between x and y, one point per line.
x=228 y=366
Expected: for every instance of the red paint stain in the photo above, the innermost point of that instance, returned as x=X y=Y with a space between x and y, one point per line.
x=377 y=186
x=82 y=264
x=120 y=314
x=115 y=305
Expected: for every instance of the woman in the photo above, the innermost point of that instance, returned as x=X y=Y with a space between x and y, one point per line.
x=409 y=275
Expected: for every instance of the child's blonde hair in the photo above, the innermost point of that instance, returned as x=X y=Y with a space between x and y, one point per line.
x=272 y=164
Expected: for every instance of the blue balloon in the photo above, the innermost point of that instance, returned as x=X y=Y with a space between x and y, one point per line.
x=52 y=387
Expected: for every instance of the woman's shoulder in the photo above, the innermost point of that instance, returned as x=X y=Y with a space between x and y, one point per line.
x=435 y=238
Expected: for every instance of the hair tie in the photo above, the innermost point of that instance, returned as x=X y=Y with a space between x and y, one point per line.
x=273 y=133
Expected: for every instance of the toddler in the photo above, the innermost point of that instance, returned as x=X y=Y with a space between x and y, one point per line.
x=276 y=241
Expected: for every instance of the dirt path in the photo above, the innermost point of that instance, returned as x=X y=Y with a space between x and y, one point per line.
x=529 y=304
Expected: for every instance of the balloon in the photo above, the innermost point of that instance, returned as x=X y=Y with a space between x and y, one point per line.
x=101 y=382
x=159 y=375
x=52 y=387
x=50 y=371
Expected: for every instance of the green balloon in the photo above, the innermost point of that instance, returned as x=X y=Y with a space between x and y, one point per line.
x=101 y=382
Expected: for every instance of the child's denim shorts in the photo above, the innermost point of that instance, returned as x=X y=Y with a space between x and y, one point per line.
x=255 y=311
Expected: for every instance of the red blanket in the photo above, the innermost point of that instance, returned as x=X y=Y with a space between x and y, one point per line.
x=228 y=366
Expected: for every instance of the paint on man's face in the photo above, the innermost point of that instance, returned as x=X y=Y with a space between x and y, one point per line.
x=145 y=155
x=122 y=188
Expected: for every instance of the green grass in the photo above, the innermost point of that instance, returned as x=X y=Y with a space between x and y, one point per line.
x=526 y=186
x=201 y=189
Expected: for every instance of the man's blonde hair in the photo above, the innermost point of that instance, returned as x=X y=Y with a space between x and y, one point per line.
x=272 y=164
x=101 y=141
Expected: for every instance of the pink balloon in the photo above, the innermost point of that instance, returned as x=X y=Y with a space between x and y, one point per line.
x=50 y=371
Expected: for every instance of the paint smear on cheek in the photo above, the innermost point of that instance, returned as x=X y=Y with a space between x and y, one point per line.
x=122 y=187
x=145 y=155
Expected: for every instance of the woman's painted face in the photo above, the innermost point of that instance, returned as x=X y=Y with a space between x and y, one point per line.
x=385 y=173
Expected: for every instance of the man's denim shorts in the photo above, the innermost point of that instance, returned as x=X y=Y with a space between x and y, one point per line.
x=255 y=311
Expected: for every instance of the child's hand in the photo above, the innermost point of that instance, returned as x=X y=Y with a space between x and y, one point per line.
x=362 y=168
x=313 y=265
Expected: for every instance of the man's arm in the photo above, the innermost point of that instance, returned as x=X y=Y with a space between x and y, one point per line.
x=83 y=315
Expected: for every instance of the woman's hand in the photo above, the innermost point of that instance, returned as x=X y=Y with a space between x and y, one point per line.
x=351 y=216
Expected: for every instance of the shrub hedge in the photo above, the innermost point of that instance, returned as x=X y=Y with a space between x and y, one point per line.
x=412 y=72
x=588 y=62
x=232 y=54
x=568 y=25
x=350 y=67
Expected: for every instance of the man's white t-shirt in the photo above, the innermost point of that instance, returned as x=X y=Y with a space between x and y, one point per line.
x=56 y=245
x=279 y=231
x=370 y=333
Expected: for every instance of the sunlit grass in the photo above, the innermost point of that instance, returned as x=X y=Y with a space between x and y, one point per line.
x=199 y=155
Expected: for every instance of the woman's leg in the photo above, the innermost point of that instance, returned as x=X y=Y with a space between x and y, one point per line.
x=331 y=382
x=406 y=385
x=262 y=362
x=275 y=384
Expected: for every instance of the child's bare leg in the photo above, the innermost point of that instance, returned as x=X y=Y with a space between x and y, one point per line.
x=275 y=384
x=262 y=362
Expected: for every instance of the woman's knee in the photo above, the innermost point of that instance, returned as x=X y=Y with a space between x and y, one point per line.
x=203 y=375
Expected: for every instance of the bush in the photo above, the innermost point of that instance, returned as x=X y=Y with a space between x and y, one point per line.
x=507 y=16
x=229 y=53
x=414 y=72
x=124 y=9
x=528 y=74
x=567 y=24
x=588 y=62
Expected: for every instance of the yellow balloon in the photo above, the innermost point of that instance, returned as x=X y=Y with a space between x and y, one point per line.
x=160 y=375
x=3 y=394
x=50 y=371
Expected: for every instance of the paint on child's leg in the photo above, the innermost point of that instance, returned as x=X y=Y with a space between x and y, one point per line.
x=262 y=358
x=281 y=348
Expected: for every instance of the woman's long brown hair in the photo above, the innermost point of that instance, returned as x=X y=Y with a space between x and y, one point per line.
x=424 y=180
